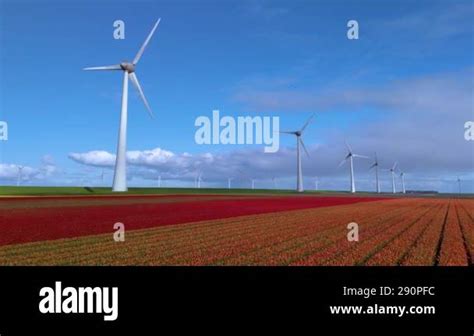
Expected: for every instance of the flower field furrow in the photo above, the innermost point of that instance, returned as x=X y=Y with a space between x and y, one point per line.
x=283 y=254
x=452 y=251
x=375 y=240
x=345 y=252
x=394 y=251
x=467 y=229
x=424 y=250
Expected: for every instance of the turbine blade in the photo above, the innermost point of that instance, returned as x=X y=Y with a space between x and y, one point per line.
x=304 y=147
x=360 y=156
x=372 y=166
x=142 y=49
x=106 y=67
x=135 y=82
x=348 y=147
x=394 y=165
x=342 y=162
x=307 y=122
x=287 y=132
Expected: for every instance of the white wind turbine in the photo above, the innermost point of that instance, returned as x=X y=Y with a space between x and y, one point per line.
x=120 y=176
x=229 y=182
x=376 y=166
x=19 y=176
x=159 y=181
x=350 y=156
x=299 y=142
x=402 y=176
x=459 y=184
x=198 y=181
x=392 y=172
x=316 y=183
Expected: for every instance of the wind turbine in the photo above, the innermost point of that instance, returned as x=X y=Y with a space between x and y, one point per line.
x=459 y=185
x=19 y=176
x=229 y=180
x=350 y=156
x=392 y=171
x=402 y=176
x=128 y=68
x=299 y=142
x=199 y=180
x=274 y=182
x=159 y=181
x=316 y=183
x=376 y=166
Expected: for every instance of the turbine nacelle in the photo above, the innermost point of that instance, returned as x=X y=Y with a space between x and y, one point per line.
x=128 y=67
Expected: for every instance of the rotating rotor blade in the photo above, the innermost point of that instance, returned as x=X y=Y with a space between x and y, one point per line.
x=348 y=147
x=394 y=165
x=135 y=82
x=287 y=132
x=360 y=156
x=307 y=122
x=304 y=147
x=106 y=67
x=342 y=162
x=142 y=49
x=373 y=165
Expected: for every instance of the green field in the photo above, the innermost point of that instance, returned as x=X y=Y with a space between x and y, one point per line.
x=51 y=191
x=26 y=190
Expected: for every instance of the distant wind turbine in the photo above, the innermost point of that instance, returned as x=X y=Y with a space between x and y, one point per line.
x=120 y=176
x=376 y=166
x=299 y=142
x=159 y=181
x=19 y=176
x=316 y=182
x=402 y=176
x=392 y=172
x=199 y=180
x=229 y=180
x=350 y=156
x=459 y=184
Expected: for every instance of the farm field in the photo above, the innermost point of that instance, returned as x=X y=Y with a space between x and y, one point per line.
x=236 y=230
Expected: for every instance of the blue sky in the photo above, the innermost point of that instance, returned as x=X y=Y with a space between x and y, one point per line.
x=404 y=89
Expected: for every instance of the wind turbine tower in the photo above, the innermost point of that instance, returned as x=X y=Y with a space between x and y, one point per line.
x=402 y=176
x=19 y=176
x=376 y=166
x=392 y=172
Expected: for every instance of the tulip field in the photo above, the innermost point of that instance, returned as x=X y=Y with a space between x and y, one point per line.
x=293 y=230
